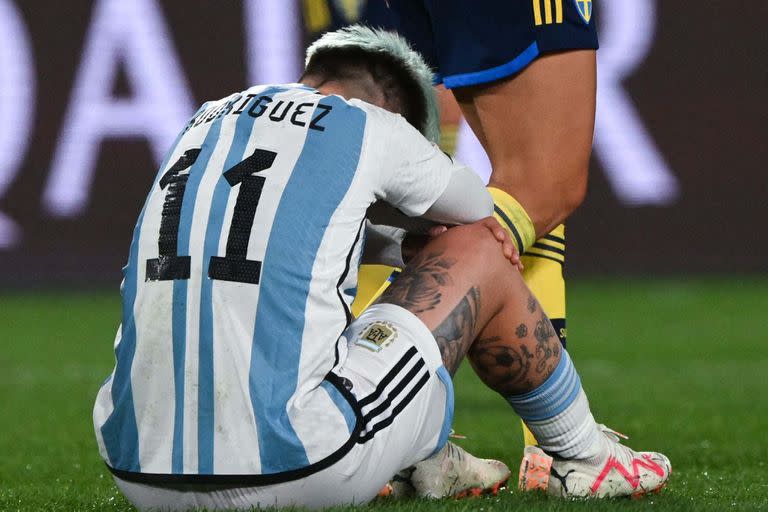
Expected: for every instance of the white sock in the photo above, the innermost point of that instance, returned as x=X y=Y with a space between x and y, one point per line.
x=557 y=412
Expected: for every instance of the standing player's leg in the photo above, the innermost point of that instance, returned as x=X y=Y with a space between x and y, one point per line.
x=537 y=131
x=463 y=289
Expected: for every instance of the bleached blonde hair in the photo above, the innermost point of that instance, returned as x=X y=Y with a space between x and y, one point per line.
x=397 y=51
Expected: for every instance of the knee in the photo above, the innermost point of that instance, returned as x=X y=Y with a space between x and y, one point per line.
x=478 y=244
x=561 y=184
x=547 y=197
x=571 y=196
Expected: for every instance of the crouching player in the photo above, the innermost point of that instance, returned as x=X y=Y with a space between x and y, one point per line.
x=241 y=379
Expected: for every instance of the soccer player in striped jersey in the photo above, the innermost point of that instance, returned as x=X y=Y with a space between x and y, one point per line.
x=241 y=379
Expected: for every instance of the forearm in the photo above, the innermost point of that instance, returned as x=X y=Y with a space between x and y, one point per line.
x=465 y=200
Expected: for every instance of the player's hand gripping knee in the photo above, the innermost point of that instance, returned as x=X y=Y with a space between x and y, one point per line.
x=508 y=248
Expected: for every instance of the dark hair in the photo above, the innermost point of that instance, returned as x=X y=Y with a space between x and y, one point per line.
x=386 y=73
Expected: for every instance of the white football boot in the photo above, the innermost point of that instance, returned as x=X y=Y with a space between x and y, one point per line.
x=454 y=472
x=618 y=471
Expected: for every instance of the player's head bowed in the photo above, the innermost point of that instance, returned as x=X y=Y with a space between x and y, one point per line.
x=378 y=63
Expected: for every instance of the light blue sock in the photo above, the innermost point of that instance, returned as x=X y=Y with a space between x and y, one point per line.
x=557 y=412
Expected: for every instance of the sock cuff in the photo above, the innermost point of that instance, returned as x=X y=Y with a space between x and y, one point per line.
x=571 y=434
x=514 y=218
x=551 y=398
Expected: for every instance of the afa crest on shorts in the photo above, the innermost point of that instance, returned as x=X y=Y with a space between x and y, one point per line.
x=376 y=336
x=584 y=8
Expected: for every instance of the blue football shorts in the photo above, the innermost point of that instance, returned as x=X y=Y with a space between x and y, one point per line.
x=480 y=41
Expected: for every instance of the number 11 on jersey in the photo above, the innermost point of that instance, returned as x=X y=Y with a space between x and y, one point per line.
x=233 y=266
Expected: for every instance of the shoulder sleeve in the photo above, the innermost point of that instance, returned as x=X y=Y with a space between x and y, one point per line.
x=416 y=177
x=410 y=172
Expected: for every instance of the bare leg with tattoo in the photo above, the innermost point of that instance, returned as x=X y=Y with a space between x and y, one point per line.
x=462 y=288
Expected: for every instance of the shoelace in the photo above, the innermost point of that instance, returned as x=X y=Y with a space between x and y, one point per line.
x=613 y=434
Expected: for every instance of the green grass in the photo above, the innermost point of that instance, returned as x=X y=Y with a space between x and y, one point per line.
x=680 y=366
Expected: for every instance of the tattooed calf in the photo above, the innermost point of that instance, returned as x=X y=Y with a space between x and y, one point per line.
x=545 y=349
x=503 y=367
x=532 y=303
x=455 y=334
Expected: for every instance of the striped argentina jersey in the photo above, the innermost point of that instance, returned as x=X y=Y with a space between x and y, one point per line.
x=240 y=276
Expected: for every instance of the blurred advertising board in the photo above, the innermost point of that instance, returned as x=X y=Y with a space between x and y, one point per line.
x=92 y=93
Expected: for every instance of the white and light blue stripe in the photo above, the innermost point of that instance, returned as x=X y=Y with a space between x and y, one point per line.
x=334 y=155
x=120 y=431
x=552 y=397
x=180 y=286
x=213 y=233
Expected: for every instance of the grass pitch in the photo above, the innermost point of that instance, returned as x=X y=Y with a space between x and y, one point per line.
x=680 y=366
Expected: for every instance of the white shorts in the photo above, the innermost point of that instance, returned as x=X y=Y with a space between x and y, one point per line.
x=404 y=396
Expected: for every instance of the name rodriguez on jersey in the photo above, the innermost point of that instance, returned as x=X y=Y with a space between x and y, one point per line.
x=257 y=105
